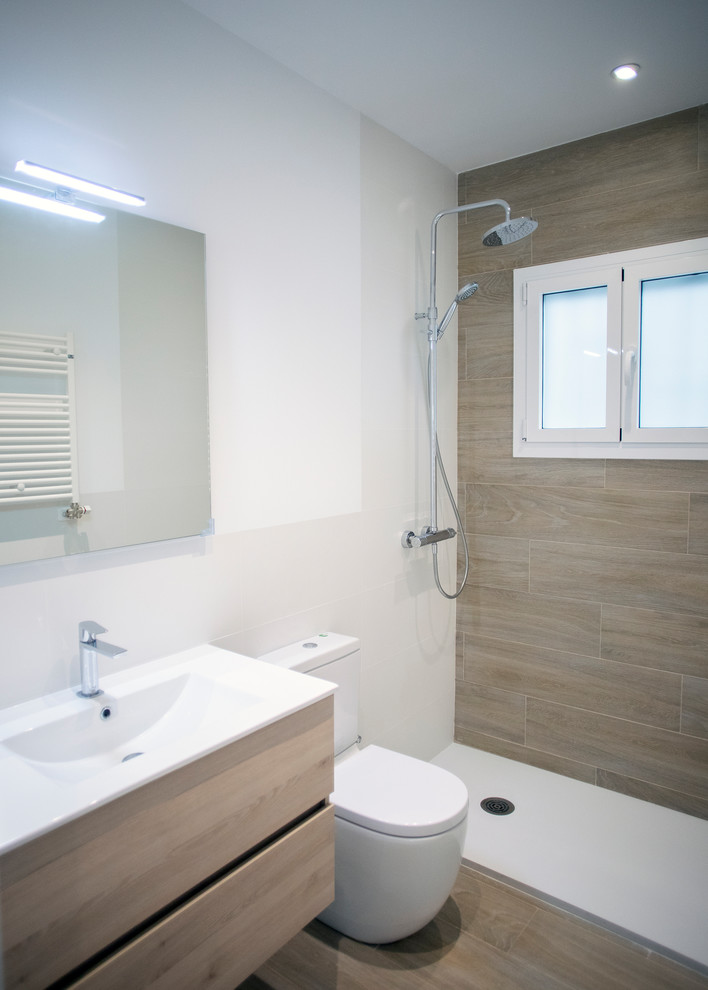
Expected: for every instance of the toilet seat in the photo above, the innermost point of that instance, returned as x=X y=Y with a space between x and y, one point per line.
x=398 y=795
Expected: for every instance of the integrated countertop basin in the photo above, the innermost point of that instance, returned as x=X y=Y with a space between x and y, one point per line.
x=62 y=755
x=79 y=740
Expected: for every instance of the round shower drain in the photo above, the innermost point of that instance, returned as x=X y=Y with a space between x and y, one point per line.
x=497 y=806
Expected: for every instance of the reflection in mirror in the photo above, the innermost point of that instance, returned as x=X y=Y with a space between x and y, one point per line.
x=103 y=384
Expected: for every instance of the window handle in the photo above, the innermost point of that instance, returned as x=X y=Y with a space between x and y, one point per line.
x=629 y=368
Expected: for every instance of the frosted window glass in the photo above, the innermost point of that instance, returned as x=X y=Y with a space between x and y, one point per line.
x=574 y=384
x=673 y=361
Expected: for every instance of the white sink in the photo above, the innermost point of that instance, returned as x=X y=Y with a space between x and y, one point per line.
x=62 y=755
x=135 y=719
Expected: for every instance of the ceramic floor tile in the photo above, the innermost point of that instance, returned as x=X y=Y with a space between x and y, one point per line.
x=487 y=937
x=586 y=957
x=493 y=913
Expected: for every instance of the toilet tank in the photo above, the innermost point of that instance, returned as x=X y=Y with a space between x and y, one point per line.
x=335 y=658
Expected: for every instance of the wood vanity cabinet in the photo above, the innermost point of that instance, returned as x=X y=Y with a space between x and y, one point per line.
x=190 y=881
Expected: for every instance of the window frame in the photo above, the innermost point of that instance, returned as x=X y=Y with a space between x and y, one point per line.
x=623 y=273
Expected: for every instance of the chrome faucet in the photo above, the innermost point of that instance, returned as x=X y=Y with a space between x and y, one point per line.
x=89 y=648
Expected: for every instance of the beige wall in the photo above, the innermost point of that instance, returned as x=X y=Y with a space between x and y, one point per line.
x=583 y=631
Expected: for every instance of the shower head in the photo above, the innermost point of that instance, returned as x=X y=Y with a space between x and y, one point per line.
x=504 y=233
x=465 y=292
x=509 y=231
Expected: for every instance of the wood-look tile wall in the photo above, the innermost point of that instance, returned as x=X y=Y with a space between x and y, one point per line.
x=583 y=630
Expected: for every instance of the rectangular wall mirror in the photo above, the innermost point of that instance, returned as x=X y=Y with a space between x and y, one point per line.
x=103 y=383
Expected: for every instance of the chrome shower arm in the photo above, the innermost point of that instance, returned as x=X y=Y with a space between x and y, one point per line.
x=474 y=206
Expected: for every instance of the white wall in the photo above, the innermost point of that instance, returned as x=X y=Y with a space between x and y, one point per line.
x=316 y=226
x=408 y=630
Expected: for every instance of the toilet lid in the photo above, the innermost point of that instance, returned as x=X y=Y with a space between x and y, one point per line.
x=397 y=795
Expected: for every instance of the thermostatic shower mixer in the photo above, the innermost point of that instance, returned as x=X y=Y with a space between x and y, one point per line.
x=410 y=541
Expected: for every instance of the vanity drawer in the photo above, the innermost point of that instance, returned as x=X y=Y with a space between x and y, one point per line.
x=225 y=933
x=70 y=893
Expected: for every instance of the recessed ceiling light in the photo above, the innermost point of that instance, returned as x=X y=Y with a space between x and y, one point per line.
x=630 y=70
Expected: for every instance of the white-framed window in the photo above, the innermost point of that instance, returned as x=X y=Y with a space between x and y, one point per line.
x=611 y=355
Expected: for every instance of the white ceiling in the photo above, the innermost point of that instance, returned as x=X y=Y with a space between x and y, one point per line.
x=472 y=82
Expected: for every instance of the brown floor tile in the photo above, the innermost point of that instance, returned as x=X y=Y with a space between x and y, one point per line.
x=488 y=936
x=459 y=961
x=586 y=957
x=493 y=913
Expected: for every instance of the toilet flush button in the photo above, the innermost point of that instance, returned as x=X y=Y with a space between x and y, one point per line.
x=309 y=646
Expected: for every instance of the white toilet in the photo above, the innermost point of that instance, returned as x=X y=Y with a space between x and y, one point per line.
x=399 y=822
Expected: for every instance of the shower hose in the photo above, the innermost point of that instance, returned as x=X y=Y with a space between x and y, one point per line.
x=460 y=528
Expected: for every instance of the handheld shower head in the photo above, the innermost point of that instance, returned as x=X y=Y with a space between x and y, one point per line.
x=509 y=231
x=465 y=292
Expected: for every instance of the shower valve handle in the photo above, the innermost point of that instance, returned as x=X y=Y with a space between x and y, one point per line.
x=427 y=536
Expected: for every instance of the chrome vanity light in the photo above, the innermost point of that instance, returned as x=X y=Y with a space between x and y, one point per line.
x=60 y=200
x=49 y=204
x=65 y=180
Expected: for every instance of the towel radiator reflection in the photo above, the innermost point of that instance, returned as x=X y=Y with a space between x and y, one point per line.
x=37 y=419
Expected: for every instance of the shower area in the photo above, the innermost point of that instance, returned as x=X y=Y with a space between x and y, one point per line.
x=587 y=711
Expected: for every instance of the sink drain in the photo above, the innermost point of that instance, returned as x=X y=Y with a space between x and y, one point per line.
x=130 y=756
x=497 y=806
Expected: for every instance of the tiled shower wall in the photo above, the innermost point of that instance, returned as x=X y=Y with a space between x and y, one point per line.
x=583 y=630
